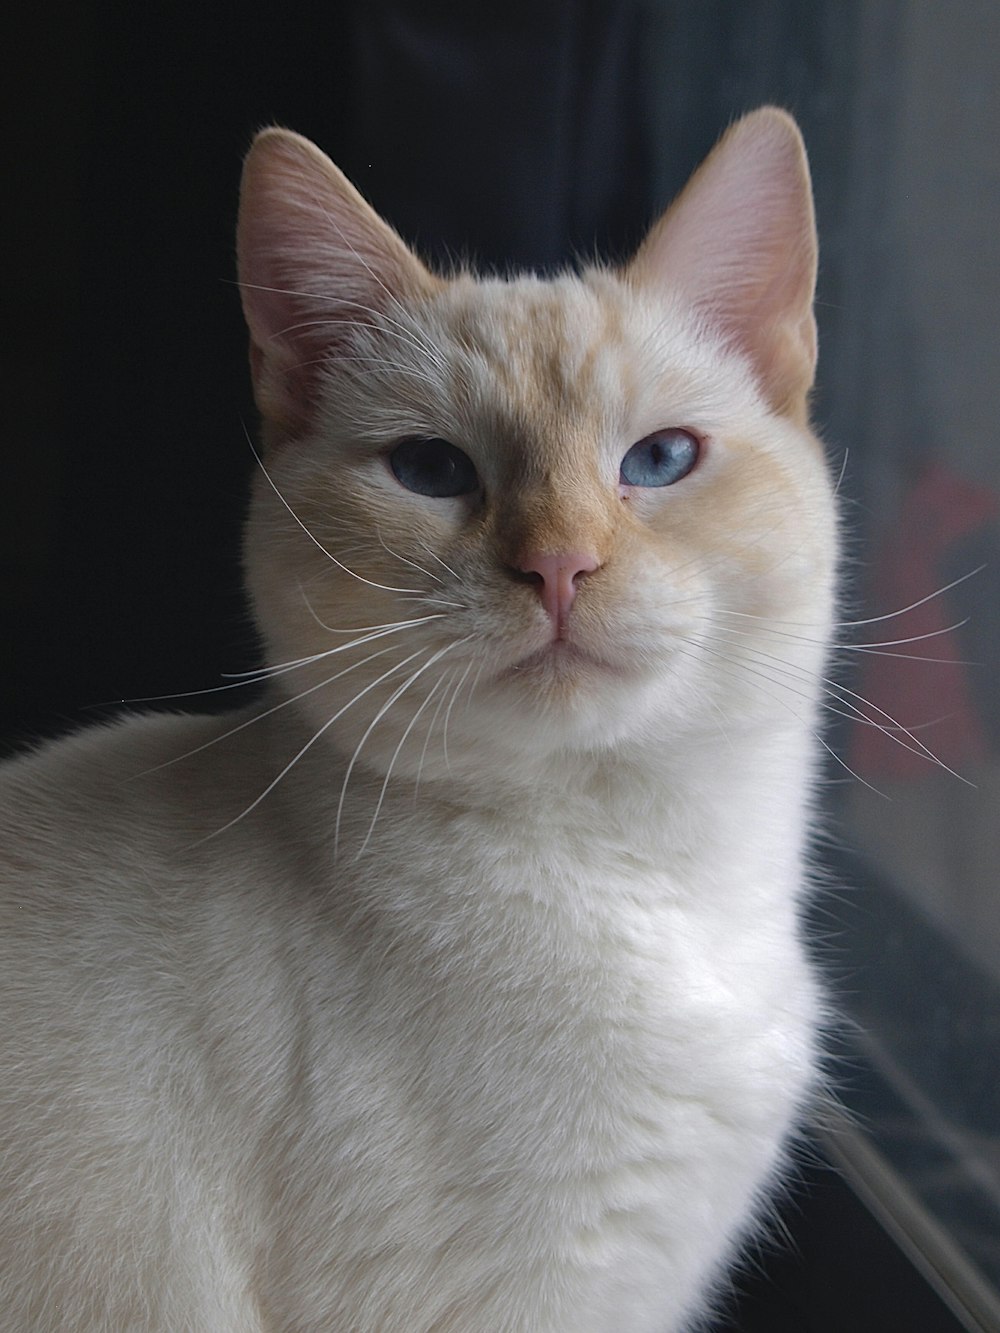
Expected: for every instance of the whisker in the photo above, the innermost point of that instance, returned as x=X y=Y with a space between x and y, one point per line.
x=412 y=563
x=364 y=629
x=430 y=599
x=369 y=582
x=259 y=717
x=831 y=687
x=434 y=556
x=178 y=694
x=447 y=716
x=845 y=765
x=890 y=732
x=374 y=723
x=392 y=762
x=741 y=670
x=430 y=730
x=843 y=471
x=872 y=648
x=258 y=675
x=368 y=635
x=388 y=625
x=312 y=741
x=871 y=620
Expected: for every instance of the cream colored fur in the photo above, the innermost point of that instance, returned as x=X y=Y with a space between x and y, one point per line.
x=491 y=1014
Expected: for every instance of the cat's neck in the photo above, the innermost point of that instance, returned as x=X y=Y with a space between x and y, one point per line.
x=734 y=799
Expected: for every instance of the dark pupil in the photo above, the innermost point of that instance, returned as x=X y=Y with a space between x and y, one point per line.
x=433 y=467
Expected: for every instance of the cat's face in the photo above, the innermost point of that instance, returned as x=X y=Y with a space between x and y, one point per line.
x=516 y=518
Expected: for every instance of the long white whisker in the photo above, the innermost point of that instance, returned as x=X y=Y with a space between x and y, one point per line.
x=312 y=741
x=369 y=582
x=890 y=732
x=387 y=625
x=843 y=471
x=906 y=657
x=744 y=666
x=280 y=668
x=830 y=688
x=259 y=717
x=871 y=620
x=434 y=556
x=431 y=599
x=430 y=730
x=742 y=669
x=447 y=716
x=257 y=675
x=392 y=762
x=412 y=563
x=869 y=647
x=364 y=629
x=374 y=723
x=845 y=765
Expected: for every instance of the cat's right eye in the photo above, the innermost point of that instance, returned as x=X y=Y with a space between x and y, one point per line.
x=433 y=467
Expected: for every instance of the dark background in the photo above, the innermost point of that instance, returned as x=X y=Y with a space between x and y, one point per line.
x=516 y=134
x=520 y=134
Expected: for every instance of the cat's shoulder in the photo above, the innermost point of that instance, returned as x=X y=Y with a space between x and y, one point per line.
x=108 y=787
x=114 y=750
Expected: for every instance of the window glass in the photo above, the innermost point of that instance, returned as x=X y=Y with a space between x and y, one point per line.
x=910 y=366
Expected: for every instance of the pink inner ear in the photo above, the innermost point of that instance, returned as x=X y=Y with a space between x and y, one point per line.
x=289 y=339
x=739 y=246
x=286 y=351
x=314 y=259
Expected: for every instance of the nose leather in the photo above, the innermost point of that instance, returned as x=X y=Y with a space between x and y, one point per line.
x=558 y=576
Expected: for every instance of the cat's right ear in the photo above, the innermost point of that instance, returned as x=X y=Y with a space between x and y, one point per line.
x=313 y=259
x=739 y=247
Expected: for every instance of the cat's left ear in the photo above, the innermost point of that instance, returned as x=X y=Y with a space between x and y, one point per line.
x=314 y=259
x=739 y=246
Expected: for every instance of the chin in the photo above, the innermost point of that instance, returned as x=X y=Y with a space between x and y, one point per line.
x=565 y=701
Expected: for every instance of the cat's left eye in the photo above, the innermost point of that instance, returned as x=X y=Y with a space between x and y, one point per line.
x=433 y=467
x=660 y=459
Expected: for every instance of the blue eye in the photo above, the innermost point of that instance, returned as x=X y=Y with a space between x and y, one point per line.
x=433 y=467
x=660 y=459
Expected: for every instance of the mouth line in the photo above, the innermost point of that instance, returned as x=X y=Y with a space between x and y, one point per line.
x=558 y=657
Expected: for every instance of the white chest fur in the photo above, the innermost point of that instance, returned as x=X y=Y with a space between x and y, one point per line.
x=508 y=1070
x=584 y=1070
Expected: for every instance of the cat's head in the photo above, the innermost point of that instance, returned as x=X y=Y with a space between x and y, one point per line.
x=508 y=519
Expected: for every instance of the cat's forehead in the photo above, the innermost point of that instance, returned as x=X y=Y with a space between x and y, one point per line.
x=586 y=348
x=542 y=339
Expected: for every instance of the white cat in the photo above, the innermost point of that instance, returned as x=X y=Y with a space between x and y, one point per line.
x=457 y=986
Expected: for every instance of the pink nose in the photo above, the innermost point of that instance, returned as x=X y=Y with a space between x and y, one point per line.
x=556 y=578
